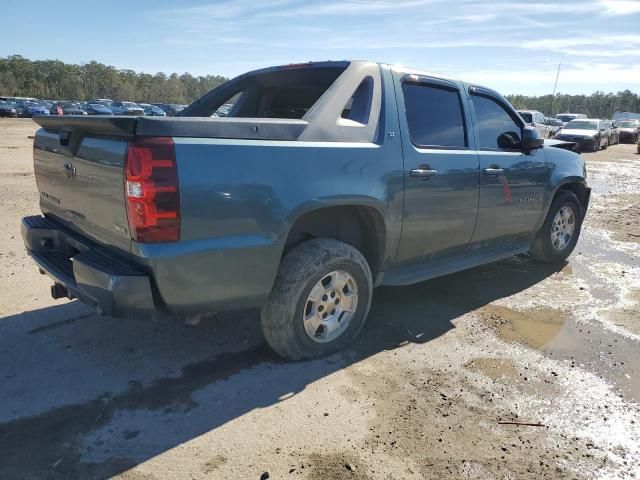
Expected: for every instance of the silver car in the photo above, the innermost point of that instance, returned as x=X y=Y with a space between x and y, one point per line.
x=538 y=120
x=126 y=108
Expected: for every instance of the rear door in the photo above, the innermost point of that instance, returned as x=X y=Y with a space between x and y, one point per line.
x=441 y=168
x=512 y=183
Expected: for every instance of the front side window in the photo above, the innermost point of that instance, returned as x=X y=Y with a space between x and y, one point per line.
x=496 y=128
x=434 y=115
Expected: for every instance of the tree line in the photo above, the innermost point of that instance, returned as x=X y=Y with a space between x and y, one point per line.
x=596 y=105
x=53 y=79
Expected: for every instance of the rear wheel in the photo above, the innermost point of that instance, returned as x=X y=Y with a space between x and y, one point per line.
x=319 y=301
x=559 y=234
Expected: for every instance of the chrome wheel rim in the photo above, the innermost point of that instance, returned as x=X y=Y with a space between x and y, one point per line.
x=562 y=228
x=330 y=306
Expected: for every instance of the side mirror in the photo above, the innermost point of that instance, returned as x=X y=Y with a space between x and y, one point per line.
x=531 y=139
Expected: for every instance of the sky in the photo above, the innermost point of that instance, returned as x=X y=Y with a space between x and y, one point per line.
x=512 y=46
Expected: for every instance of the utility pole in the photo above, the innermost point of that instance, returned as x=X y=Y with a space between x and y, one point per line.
x=553 y=96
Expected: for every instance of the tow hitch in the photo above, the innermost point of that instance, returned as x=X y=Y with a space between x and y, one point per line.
x=60 y=291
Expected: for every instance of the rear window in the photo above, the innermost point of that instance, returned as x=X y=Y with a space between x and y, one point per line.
x=434 y=115
x=279 y=93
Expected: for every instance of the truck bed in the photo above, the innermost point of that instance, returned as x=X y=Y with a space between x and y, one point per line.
x=194 y=127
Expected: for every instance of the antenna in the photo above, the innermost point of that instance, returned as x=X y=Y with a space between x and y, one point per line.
x=553 y=96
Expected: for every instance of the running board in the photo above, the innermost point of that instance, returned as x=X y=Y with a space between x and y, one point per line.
x=407 y=275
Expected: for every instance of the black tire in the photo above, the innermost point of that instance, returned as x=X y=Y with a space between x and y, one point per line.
x=606 y=144
x=300 y=270
x=596 y=145
x=542 y=248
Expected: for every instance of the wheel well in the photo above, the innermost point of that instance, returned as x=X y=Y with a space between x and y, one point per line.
x=578 y=189
x=359 y=226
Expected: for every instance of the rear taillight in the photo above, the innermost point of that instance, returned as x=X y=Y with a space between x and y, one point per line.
x=151 y=190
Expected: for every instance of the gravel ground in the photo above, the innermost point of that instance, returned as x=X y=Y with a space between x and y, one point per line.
x=511 y=370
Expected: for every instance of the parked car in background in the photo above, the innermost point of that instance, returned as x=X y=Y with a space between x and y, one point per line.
x=171 y=109
x=70 y=108
x=535 y=119
x=626 y=116
x=629 y=130
x=7 y=109
x=145 y=215
x=152 y=110
x=223 y=110
x=567 y=117
x=554 y=125
x=102 y=101
x=589 y=133
x=96 y=109
x=126 y=108
x=614 y=133
x=29 y=109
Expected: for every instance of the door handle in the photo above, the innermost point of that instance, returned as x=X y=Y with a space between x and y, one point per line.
x=423 y=172
x=493 y=172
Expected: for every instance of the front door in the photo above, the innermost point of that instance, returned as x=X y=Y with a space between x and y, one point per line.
x=441 y=169
x=512 y=183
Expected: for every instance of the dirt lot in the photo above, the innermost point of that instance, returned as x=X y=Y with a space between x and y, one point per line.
x=428 y=392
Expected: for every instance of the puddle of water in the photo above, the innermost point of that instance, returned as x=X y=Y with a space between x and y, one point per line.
x=533 y=328
x=610 y=355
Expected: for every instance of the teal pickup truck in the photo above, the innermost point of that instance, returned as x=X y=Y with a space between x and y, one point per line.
x=322 y=181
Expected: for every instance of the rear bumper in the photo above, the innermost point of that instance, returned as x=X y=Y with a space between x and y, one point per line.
x=179 y=278
x=97 y=278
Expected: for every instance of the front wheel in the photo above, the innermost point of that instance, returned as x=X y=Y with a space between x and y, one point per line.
x=559 y=234
x=319 y=301
x=596 y=144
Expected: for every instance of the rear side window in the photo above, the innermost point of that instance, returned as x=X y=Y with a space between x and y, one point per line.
x=434 y=115
x=496 y=128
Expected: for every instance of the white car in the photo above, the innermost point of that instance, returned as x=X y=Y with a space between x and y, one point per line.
x=589 y=133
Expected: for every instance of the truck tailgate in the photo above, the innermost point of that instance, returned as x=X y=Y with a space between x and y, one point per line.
x=79 y=168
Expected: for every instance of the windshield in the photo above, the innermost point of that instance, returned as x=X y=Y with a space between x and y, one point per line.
x=582 y=125
x=565 y=118
x=628 y=124
x=3 y=104
x=129 y=105
x=97 y=106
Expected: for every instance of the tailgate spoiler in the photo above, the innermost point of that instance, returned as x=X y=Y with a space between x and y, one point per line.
x=92 y=125
x=194 y=127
